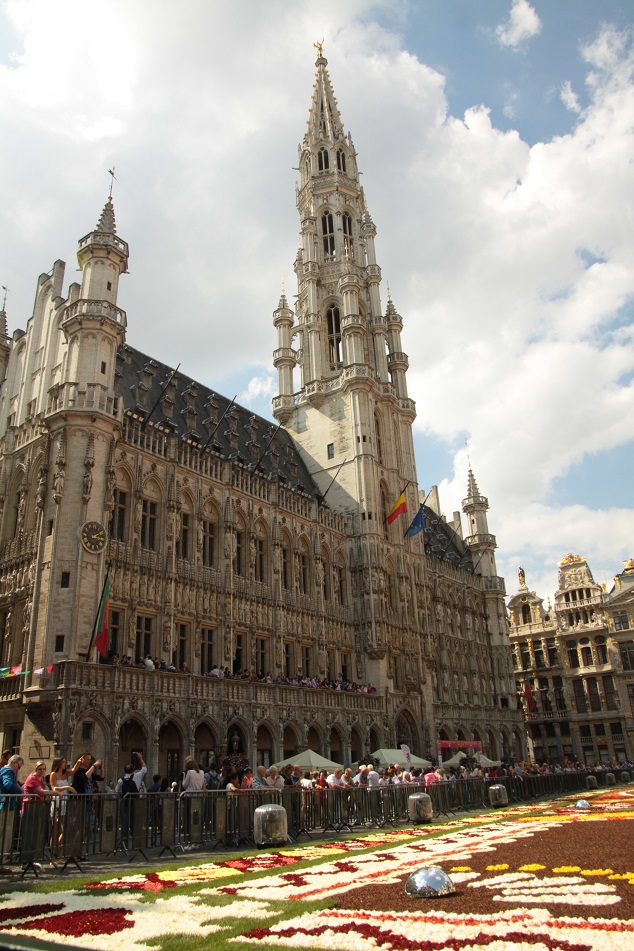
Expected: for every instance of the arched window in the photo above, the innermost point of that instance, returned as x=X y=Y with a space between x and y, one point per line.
x=328 y=235
x=333 y=321
x=348 y=242
x=323 y=160
x=526 y=614
x=341 y=160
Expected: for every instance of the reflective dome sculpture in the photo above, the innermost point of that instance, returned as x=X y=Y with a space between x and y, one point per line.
x=429 y=882
x=420 y=808
x=498 y=796
x=582 y=804
x=270 y=825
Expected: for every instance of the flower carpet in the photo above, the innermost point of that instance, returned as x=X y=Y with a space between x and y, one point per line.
x=544 y=877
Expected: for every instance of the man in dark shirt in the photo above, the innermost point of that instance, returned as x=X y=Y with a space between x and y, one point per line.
x=85 y=771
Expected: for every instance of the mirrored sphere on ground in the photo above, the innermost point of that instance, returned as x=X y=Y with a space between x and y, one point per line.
x=429 y=882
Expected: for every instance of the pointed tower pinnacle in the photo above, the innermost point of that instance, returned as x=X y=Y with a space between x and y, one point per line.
x=324 y=121
x=106 y=223
x=479 y=540
x=473 y=491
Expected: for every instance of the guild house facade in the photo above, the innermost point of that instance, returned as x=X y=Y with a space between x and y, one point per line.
x=232 y=543
x=574 y=665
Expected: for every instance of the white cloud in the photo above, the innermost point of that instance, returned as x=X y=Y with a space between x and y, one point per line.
x=522 y=25
x=259 y=387
x=569 y=97
x=509 y=106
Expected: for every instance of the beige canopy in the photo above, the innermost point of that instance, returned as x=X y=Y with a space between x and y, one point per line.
x=392 y=757
x=308 y=759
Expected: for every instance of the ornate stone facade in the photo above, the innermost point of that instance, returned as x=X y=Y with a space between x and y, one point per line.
x=578 y=661
x=231 y=542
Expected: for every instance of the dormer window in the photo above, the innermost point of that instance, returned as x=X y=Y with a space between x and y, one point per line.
x=341 y=160
x=323 y=160
x=328 y=235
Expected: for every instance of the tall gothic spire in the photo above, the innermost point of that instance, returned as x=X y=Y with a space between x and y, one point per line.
x=324 y=121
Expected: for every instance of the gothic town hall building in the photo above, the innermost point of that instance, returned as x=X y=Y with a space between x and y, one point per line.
x=234 y=542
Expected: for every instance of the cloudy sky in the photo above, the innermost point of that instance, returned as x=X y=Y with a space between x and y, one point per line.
x=496 y=143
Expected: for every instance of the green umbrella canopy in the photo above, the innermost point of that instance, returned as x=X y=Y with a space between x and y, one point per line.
x=308 y=759
x=390 y=757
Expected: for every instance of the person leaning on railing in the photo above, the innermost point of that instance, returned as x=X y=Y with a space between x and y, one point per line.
x=9 y=782
x=35 y=788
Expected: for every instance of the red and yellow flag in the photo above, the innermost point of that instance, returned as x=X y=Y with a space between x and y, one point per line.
x=399 y=508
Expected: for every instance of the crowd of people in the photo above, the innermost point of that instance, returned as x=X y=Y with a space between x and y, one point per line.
x=224 y=673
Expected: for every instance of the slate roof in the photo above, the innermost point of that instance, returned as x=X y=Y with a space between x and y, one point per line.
x=194 y=412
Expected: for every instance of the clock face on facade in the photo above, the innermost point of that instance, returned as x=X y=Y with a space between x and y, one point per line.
x=93 y=536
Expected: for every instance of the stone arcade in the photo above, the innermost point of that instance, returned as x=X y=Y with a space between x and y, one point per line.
x=232 y=544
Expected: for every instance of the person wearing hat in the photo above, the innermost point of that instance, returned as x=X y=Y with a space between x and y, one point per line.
x=35 y=788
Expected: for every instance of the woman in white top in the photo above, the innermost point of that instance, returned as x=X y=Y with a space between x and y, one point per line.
x=194 y=779
x=60 y=778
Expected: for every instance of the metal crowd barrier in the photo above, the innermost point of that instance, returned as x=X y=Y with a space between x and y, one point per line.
x=66 y=830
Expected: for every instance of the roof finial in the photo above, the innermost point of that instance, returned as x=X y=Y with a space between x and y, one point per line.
x=4 y=299
x=466 y=443
x=112 y=180
x=320 y=48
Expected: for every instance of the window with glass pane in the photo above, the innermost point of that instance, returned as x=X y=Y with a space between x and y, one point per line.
x=143 y=644
x=149 y=518
x=593 y=694
x=609 y=693
x=179 y=654
x=580 y=696
x=209 y=544
x=119 y=516
x=207 y=638
x=626 y=649
x=303 y=572
x=182 y=543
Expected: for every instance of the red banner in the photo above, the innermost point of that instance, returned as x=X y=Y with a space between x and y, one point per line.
x=458 y=744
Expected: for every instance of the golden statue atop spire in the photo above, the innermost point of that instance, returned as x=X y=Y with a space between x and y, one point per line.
x=320 y=48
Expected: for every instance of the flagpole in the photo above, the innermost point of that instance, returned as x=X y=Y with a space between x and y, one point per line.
x=94 y=627
x=421 y=506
